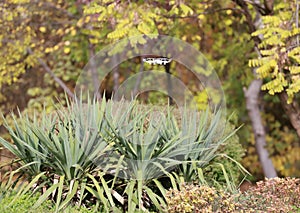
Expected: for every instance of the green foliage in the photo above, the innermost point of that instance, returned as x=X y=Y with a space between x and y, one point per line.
x=280 y=52
x=282 y=145
x=26 y=202
x=137 y=17
x=25 y=140
x=31 y=31
x=214 y=173
x=23 y=204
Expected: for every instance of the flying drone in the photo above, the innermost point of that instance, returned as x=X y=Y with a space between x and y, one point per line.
x=159 y=61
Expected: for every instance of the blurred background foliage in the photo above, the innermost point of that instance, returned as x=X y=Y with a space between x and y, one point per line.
x=53 y=39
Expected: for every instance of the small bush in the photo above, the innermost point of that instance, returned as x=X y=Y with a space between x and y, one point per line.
x=272 y=195
x=193 y=198
x=233 y=149
x=23 y=204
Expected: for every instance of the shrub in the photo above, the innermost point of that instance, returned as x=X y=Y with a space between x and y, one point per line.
x=195 y=198
x=272 y=195
x=23 y=204
x=233 y=149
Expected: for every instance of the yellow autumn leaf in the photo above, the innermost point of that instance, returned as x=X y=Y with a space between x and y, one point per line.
x=48 y=50
x=59 y=32
x=87 y=19
x=228 y=12
x=42 y=29
x=144 y=28
x=186 y=9
x=94 y=40
x=228 y=22
x=197 y=37
x=201 y=17
x=67 y=50
x=73 y=32
x=80 y=22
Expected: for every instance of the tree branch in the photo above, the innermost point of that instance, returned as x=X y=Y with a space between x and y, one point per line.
x=268 y=6
x=249 y=19
x=56 y=79
x=292 y=110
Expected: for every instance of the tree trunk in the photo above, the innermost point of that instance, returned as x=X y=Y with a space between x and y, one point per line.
x=252 y=93
x=292 y=110
x=252 y=104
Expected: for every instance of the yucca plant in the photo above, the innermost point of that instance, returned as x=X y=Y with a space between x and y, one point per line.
x=206 y=131
x=59 y=151
x=27 y=146
x=31 y=156
x=113 y=152
x=158 y=144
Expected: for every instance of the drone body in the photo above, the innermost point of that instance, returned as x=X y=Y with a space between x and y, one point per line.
x=158 y=61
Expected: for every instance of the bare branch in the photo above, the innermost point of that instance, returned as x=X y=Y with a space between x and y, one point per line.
x=249 y=19
x=56 y=79
x=268 y=6
x=292 y=110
